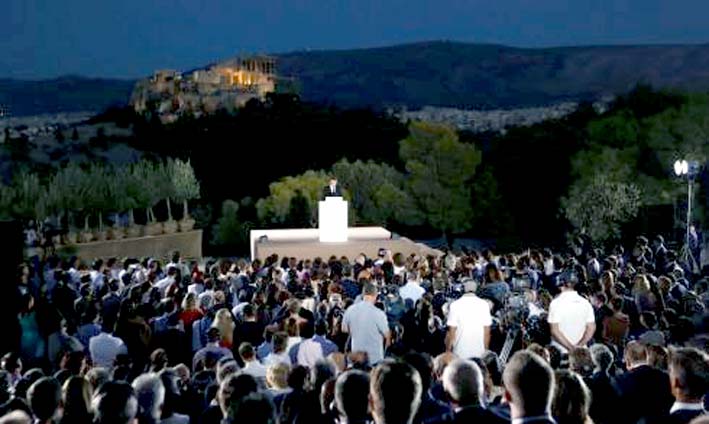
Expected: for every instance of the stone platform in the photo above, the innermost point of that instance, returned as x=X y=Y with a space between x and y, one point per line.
x=305 y=243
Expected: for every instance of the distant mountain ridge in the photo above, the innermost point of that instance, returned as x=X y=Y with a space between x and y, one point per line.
x=437 y=73
x=69 y=93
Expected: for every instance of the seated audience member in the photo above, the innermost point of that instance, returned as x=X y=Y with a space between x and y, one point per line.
x=170 y=379
x=251 y=365
x=689 y=380
x=255 y=408
x=644 y=391
x=463 y=382
x=430 y=408
x=394 y=392
x=115 y=403
x=151 y=397
x=45 y=398
x=352 y=397
x=604 y=395
x=76 y=401
x=572 y=399
x=529 y=387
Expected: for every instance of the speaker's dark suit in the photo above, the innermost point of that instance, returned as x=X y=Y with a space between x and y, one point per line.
x=328 y=192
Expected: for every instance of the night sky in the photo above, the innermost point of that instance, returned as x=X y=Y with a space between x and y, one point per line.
x=131 y=38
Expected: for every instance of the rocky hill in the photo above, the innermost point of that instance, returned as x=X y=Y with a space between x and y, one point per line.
x=442 y=74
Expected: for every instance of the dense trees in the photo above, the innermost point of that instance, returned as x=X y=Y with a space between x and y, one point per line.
x=529 y=184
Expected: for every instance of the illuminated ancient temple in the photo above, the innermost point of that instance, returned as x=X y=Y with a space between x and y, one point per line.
x=225 y=85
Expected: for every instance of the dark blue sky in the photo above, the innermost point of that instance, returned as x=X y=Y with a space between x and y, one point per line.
x=130 y=38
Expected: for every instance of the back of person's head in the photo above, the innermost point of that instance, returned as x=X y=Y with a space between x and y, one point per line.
x=657 y=356
x=540 y=350
x=689 y=373
x=234 y=388
x=635 y=353
x=424 y=365
x=151 y=396
x=369 y=289
x=322 y=371
x=395 y=393
x=649 y=320
x=352 y=395
x=44 y=397
x=440 y=362
x=11 y=363
x=76 y=398
x=96 y=377
x=277 y=375
x=463 y=382
x=280 y=342
x=225 y=369
x=169 y=379
x=572 y=398
x=602 y=357
x=581 y=361
x=254 y=408
x=529 y=383
x=115 y=403
x=246 y=351
x=321 y=327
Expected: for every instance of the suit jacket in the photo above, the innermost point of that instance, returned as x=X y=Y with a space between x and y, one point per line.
x=683 y=416
x=605 y=399
x=645 y=394
x=471 y=414
x=327 y=193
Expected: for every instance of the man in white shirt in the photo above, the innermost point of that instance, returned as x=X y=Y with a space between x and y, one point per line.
x=571 y=317
x=251 y=365
x=166 y=282
x=412 y=289
x=469 y=323
x=105 y=347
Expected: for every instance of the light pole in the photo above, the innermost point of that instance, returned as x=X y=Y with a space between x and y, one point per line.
x=689 y=170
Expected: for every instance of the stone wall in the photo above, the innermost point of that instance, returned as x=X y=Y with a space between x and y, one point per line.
x=189 y=244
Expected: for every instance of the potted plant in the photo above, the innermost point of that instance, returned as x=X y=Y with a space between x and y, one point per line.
x=151 y=187
x=166 y=187
x=115 y=184
x=98 y=199
x=186 y=188
x=136 y=196
x=66 y=188
x=28 y=191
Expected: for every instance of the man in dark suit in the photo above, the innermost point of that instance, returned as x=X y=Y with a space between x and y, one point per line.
x=463 y=383
x=332 y=189
x=529 y=386
x=689 y=380
x=644 y=391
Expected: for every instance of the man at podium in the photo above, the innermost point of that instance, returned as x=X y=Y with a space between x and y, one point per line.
x=332 y=189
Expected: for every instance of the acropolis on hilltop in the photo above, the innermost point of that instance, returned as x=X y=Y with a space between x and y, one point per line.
x=225 y=85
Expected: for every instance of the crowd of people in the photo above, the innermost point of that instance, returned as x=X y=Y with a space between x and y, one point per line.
x=584 y=336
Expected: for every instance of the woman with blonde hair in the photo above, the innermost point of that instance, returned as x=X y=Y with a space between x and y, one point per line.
x=224 y=322
x=190 y=312
x=645 y=300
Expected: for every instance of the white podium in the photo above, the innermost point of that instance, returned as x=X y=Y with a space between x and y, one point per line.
x=332 y=219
